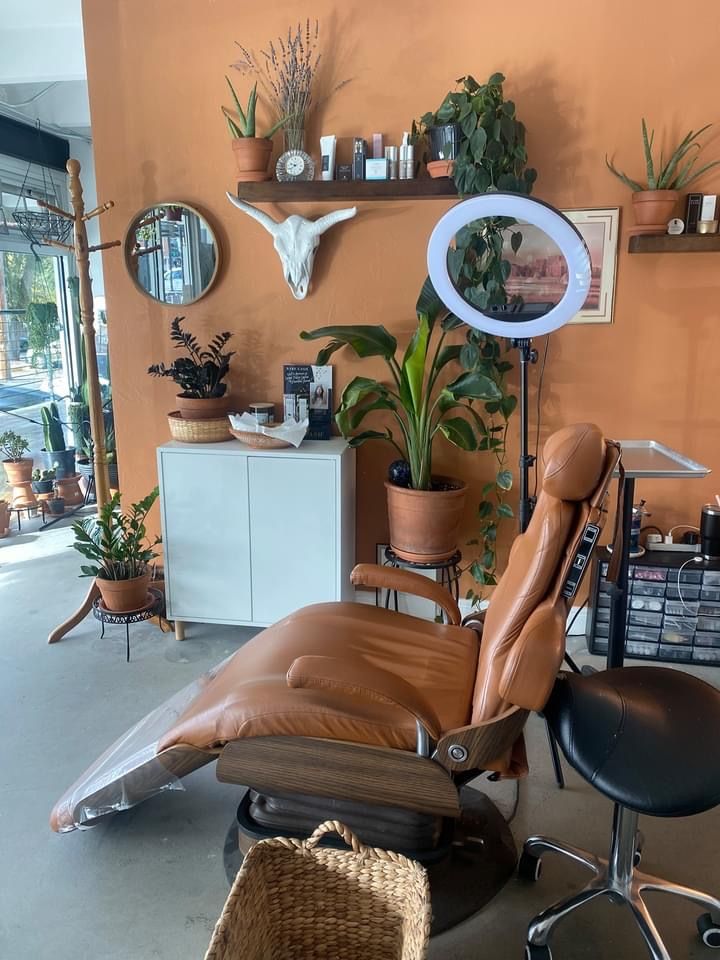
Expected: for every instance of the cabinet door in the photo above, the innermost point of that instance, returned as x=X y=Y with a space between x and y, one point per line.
x=206 y=536
x=292 y=534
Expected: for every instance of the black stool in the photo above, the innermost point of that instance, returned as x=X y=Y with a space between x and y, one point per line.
x=639 y=735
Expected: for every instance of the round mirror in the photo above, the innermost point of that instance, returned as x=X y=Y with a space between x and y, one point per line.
x=509 y=265
x=172 y=253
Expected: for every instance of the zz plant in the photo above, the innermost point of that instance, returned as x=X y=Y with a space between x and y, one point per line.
x=116 y=543
x=200 y=374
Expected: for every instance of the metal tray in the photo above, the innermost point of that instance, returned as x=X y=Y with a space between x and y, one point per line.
x=648 y=458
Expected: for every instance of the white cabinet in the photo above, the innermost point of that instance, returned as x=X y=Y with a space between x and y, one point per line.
x=251 y=535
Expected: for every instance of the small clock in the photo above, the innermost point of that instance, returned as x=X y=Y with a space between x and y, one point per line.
x=295 y=165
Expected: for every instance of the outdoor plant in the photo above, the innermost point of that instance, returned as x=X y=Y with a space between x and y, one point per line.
x=13 y=446
x=200 y=374
x=420 y=404
x=52 y=428
x=43 y=326
x=676 y=173
x=116 y=543
x=42 y=475
x=242 y=122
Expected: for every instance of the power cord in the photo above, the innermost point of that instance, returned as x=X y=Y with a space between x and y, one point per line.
x=691 y=560
x=537 y=409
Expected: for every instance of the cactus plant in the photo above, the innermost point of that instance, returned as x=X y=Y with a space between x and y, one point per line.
x=52 y=428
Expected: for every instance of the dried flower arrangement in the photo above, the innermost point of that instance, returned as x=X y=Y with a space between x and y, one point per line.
x=288 y=71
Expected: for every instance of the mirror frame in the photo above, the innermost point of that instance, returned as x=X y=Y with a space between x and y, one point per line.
x=529 y=210
x=129 y=236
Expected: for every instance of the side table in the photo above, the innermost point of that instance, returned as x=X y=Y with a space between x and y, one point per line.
x=155 y=606
x=449 y=571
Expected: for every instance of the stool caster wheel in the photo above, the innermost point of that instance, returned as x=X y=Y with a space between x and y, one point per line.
x=535 y=952
x=530 y=869
x=709 y=931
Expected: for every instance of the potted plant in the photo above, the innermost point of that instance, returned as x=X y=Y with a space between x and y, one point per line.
x=424 y=510
x=120 y=552
x=43 y=481
x=200 y=374
x=252 y=153
x=57 y=455
x=18 y=468
x=654 y=200
x=56 y=504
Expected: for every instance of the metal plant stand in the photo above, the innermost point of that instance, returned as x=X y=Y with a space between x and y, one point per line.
x=449 y=571
x=155 y=607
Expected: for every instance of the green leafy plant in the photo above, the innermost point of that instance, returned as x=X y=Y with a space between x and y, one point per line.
x=242 y=123
x=13 y=446
x=421 y=406
x=43 y=326
x=675 y=174
x=52 y=428
x=40 y=475
x=201 y=372
x=117 y=543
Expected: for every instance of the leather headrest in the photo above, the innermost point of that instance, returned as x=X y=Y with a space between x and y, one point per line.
x=573 y=459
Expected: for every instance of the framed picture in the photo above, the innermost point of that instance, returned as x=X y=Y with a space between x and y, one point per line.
x=539 y=271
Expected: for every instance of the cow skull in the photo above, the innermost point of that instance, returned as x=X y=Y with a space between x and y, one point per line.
x=296 y=240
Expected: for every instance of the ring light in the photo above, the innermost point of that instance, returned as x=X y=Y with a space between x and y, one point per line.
x=533 y=212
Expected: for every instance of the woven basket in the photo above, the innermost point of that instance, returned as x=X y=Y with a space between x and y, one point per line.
x=293 y=900
x=198 y=431
x=259 y=440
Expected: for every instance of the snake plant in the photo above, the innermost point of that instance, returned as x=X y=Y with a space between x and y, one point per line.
x=674 y=174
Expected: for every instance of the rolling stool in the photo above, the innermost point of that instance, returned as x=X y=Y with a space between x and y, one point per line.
x=639 y=736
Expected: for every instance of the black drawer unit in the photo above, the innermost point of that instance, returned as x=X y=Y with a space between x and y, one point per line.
x=673 y=614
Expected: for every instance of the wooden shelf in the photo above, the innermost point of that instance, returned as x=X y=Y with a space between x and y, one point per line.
x=271 y=191
x=664 y=243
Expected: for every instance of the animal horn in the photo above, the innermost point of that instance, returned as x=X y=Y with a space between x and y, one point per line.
x=263 y=218
x=330 y=219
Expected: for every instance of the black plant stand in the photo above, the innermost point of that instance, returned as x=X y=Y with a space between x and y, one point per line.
x=449 y=571
x=155 y=606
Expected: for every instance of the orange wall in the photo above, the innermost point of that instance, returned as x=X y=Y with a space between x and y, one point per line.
x=582 y=76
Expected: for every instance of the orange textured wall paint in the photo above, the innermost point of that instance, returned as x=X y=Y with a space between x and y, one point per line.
x=581 y=81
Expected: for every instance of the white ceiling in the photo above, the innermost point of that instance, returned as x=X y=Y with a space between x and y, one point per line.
x=41 y=43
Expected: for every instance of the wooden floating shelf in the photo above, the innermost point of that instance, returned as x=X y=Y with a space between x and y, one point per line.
x=301 y=191
x=664 y=243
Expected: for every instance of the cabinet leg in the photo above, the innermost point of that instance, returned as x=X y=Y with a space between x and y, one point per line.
x=179 y=630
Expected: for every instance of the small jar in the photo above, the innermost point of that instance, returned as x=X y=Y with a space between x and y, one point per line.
x=264 y=413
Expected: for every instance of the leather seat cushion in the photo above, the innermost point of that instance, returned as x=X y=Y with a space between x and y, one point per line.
x=643 y=736
x=250 y=697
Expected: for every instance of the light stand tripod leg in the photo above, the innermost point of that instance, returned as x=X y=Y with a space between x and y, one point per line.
x=59 y=632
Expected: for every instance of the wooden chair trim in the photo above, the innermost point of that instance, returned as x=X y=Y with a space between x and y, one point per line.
x=336 y=768
x=484 y=742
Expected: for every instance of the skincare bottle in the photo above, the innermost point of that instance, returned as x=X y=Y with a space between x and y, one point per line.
x=391 y=155
x=407 y=158
x=359 y=154
x=377 y=142
x=327 y=154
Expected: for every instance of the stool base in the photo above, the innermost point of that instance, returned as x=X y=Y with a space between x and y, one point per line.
x=617 y=878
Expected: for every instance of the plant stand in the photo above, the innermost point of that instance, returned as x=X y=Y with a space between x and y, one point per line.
x=154 y=607
x=29 y=509
x=449 y=571
x=23 y=495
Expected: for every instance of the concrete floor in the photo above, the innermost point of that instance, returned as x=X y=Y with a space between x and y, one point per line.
x=150 y=883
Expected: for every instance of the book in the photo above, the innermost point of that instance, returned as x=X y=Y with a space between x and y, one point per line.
x=307 y=392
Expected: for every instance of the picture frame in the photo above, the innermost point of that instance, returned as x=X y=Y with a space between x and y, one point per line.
x=539 y=271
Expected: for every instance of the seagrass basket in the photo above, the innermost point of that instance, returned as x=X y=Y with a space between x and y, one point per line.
x=198 y=431
x=259 y=440
x=294 y=900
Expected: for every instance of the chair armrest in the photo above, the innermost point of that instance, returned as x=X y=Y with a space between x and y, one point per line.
x=359 y=678
x=405 y=581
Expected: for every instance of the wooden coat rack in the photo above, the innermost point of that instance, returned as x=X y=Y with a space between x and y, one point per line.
x=82 y=252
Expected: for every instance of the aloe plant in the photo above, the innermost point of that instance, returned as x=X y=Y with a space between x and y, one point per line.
x=421 y=406
x=242 y=123
x=678 y=172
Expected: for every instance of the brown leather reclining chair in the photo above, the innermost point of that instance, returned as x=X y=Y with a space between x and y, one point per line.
x=356 y=703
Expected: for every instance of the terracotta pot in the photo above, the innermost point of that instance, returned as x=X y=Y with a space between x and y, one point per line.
x=252 y=158
x=654 y=207
x=18 y=471
x=124 y=595
x=23 y=495
x=425 y=524
x=69 y=490
x=440 y=168
x=210 y=408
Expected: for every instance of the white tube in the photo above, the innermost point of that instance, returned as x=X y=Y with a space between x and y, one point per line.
x=327 y=157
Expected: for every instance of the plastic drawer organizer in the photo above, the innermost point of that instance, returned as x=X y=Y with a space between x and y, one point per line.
x=673 y=613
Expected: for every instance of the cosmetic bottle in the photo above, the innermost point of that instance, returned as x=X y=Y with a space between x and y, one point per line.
x=359 y=154
x=327 y=157
x=391 y=155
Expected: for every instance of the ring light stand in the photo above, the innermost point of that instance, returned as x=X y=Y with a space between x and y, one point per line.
x=526 y=323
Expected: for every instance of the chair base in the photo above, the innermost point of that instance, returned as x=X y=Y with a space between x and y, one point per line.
x=617 y=878
x=473 y=859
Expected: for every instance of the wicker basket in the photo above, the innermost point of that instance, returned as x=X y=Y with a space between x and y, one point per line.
x=261 y=440
x=293 y=900
x=198 y=431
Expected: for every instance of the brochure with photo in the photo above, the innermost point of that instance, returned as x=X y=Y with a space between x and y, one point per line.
x=307 y=392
